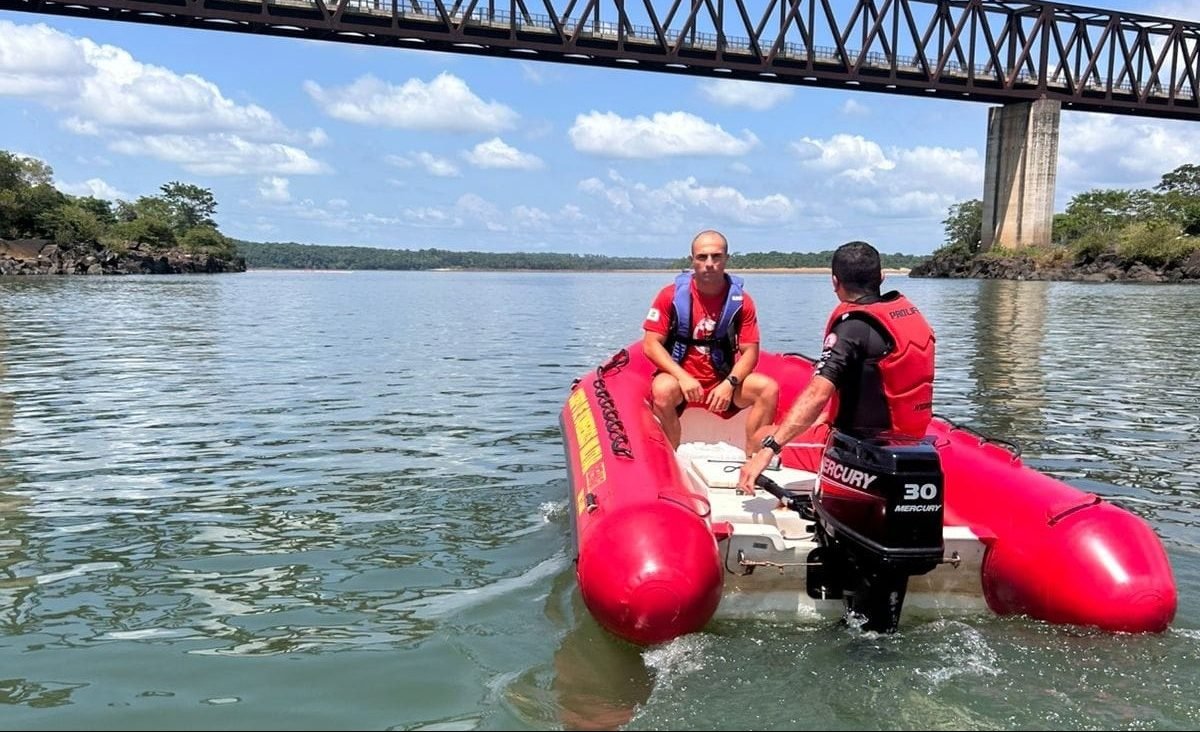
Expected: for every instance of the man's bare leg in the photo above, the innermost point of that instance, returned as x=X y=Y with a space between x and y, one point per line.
x=761 y=394
x=665 y=396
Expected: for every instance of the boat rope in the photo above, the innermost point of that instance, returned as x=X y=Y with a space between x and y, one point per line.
x=1013 y=448
x=608 y=408
x=690 y=501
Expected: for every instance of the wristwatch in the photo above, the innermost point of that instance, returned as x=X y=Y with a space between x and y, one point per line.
x=769 y=441
x=734 y=380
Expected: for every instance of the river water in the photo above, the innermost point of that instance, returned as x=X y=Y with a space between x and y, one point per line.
x=290 y=500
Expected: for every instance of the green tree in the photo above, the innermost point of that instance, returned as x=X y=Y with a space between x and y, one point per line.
x=964 y=225
x=74 y=223
x=100 y=208
x=21 y=172
x=147 y=220
x=28 y=200
x=1106 y=210
x=1179 y=193
x=190 y=205
x=1184 y=180
x=207 y=240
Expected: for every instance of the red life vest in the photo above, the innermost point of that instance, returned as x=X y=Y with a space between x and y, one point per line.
x=906 y=370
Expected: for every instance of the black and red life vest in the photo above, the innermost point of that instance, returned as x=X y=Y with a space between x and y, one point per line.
x=907 y=369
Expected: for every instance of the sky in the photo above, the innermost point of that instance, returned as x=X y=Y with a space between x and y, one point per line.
x=328 y=143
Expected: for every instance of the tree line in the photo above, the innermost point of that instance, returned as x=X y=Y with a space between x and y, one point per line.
x=1158 y=226
x=181 y=216
x=291 y=255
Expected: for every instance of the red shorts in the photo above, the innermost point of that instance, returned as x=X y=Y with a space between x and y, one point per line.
x=731 y=410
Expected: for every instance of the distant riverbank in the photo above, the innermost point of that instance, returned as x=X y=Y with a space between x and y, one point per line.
x=755 y=270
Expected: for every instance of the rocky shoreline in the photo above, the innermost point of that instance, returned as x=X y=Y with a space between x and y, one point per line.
x=1107 y=267
x=43 y=257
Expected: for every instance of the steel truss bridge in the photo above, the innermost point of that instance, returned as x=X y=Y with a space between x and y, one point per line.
x=993 y=51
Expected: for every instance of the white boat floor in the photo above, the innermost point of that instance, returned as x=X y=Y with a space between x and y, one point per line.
x=766 y=550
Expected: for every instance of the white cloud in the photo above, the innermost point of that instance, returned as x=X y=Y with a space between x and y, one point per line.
x=939 y=167
x=904 y=204
x=128 y=95
x=1142 y=150
x=432 y=164
x=39 y=62
x=222 y=154
x=851 y=156
x=445 y=104
x=143 y=109
x=96 y=188
x=430 y=217
x=533 y=73
x=756 y=95
x=440 y=167
x=910 y=183
x=105 y=88
x=671 y=202
x=274 y=189
x=666 y=134
x=853 y=108
x=317 y=137
x=481 y=210
x=495 y=153
x=530 y=217
x=472 y=210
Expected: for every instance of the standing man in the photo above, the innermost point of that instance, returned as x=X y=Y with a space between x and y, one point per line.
x=702 y=334
x=876 y=366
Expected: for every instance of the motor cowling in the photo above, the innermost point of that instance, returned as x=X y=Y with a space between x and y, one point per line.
x=879 y=507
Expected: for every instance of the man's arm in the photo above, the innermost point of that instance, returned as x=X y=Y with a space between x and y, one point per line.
x=746 y=361
x=801 y=416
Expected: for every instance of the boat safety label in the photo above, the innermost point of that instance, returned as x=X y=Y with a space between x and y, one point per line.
x=590 y=453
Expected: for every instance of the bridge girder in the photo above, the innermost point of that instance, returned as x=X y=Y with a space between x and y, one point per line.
x=992 y=51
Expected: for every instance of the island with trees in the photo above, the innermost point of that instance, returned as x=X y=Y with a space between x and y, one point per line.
x=1104 y=235
x=46 y=231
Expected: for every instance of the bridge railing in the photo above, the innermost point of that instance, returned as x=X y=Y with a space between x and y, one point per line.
x=640 y=35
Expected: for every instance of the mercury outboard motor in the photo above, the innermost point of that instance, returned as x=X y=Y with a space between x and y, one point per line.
x=878 y=507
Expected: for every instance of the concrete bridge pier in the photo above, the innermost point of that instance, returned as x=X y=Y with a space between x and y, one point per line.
x=1018 y=186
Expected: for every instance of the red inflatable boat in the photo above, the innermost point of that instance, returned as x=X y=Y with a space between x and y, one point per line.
x=953 y=522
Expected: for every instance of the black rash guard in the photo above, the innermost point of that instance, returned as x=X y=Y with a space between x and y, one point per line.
x=850 y=359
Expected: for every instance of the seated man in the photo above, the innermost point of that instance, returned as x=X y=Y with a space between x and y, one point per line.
x=875 y=375
x=702 y=334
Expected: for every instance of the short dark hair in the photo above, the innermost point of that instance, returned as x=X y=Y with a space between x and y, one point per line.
x=856 y=265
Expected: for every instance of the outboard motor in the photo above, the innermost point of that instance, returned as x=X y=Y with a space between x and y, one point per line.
x=879 y=507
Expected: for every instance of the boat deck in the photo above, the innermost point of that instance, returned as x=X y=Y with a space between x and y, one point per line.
x=765 y=546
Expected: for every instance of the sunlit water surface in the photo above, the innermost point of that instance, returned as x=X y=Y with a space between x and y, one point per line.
x=336 y=501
